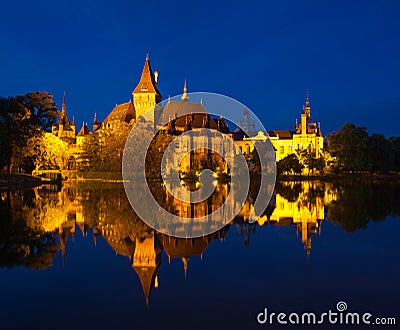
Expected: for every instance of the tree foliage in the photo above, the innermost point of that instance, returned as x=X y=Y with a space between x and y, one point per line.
x=353 y=149
x=47 y=151
x=289 y=165
x=22 y=118
x=349 y=146
x=21 y=245
x=310 y=161
x=103 y=150
x=357 y=204
x=42 y=109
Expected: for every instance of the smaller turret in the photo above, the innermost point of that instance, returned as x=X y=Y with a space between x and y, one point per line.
x=64 y=129
x=185 y=96
x=96 y=124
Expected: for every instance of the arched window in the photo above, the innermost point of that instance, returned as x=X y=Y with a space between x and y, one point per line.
x=281 y=150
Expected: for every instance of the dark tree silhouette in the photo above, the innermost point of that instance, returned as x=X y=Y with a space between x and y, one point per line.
x=21 y=118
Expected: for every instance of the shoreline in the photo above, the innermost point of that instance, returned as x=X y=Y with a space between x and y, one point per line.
x=11 y=182
x=365 y=177
x=25 y=181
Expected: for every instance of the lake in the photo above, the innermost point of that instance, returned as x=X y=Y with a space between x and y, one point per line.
x=77 y=257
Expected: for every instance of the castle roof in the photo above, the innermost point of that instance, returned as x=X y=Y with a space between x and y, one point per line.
x=282 y=134
x=147 y=83
x=146 y=277
x=121 y=112
x=121 y=246
x=223 y=126
x=85 y=130
x=310 y=121
x=64 y=121
x=238 y=135
x=183 y=247
x=175 y=109
x=186 y=113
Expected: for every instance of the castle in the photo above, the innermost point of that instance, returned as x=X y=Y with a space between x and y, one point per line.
x=306 y=135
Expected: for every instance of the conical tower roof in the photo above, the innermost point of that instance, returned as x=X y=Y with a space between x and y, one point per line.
x=146 y=276
x=147 y=83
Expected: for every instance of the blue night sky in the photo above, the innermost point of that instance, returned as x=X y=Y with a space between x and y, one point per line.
x=265 y=54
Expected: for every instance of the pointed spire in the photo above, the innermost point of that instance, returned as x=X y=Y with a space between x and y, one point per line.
x=64 y=103
x=73 y=121
x=306 y=107
x=307 y=101
x=64 y=121
x=185 y=97
x=147 y=83
x=63 y=236
x=147 y=276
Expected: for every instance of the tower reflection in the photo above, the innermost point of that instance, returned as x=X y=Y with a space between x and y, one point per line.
x=104 y=209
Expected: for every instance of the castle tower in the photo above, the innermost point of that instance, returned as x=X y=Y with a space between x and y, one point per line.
x=304 y=115
x=146 y=260
x=64 y=129
x=146 y=94
x=307 y=109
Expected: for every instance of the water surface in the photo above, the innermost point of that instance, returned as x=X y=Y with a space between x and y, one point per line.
x=78 y=257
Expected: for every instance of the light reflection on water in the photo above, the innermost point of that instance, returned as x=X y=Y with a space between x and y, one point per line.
x=305 y=252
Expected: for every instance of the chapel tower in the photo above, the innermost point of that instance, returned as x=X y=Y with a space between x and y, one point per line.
x=146 y=94
x=64 y=129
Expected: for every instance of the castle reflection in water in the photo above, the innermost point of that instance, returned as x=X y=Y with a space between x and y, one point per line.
x=104 y=208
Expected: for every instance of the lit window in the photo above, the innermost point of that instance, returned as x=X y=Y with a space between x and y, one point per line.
x=282 y=149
